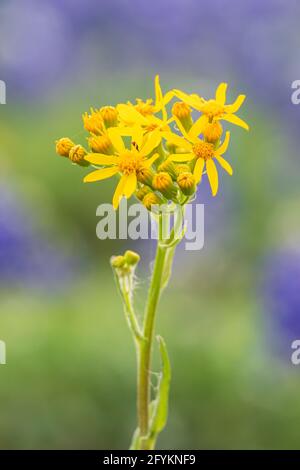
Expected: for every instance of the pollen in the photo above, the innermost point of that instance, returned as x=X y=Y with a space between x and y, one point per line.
x=212 y=109
x=203 y=150
x=130 y=162
x=151 y=127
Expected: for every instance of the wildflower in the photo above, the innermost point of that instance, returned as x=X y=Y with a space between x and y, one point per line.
x=77 y=154
x=187 y=183
x=100 y=144
x=212 y=132
x=182 y=168
x=151 y=199
x=93 y=122
x=169 y=167
x=215 y=109
x=126 y=162
x=141 y=193
x=204 y=154
x=63 y=146
x=131 y=257
x=163 y=182
x=183 y=113
x=109 y=115
x=143 y=113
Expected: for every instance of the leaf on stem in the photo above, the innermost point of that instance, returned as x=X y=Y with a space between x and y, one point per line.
x=160 y=405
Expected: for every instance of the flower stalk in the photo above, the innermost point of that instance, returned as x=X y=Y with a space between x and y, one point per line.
x=160 y=159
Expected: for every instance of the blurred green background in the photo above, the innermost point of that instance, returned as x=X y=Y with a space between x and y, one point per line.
x=231 y=310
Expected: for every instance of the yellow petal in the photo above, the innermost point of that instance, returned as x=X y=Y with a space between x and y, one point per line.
x=137 y=136
x=158 y=92
x=101 y=174
x=130 y=115
x=168 y=96
x=130 y=185
x=223 y=147
x=159 y=98
x=181 y=157
x=182 y=130
x=152 y=140
x=193 y=100
x=235 y=120
x=119 y=192
x=198 y=126
x=149 y=162
x=212 y=176
x=101 y=159
x=224 y=164
x=234 y=107
x=221 y=93
x=116 y=139
x=177 y=140
x=198 y=170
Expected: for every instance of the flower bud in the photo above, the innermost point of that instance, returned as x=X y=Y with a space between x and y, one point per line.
x=100 y=144
x=168 y=167
x=93 y=122
x=77 y=154
x=163 y=182
x=212 y=132
x=183 y=112
x=186 y=182
x=145 y=175
x=109 y=115
x=131 y=257
x=182 y=168
x=152 y=199
x=141 y=193
x=63 y=146
x=117 y=261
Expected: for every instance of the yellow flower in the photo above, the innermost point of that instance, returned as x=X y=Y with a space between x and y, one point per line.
x=127 y=162
x=142 y=114
x=63 y=146
x=215 y=109
x=204 y=154
x=93 y=122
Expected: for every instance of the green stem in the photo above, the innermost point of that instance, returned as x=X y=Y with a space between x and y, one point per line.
x=145 y=349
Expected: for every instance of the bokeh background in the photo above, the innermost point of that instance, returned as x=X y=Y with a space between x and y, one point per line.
x=231 y=310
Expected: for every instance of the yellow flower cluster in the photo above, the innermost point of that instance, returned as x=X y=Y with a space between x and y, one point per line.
x=158 y=151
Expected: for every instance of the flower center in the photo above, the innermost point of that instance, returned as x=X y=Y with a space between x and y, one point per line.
x=151 y=127
x=212 y=109
x=146 y=108
x=203 y=150
x=130 y=162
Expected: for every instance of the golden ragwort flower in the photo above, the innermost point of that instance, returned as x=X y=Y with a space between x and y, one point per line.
x=126 y=162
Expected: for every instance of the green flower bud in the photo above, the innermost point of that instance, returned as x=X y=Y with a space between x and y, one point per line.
x=131 y=257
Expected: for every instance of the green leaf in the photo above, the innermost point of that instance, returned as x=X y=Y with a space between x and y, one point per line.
x=161 y=403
